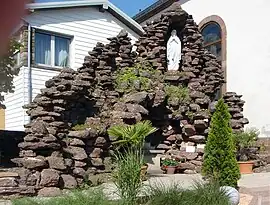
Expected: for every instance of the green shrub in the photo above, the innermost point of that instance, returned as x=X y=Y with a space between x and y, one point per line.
x=140 y=77
x=200 y=194
x=220 y=162
x=177 y=92
x=169 y=162
x=245 y=140
x=79 y=127
x=127 y=175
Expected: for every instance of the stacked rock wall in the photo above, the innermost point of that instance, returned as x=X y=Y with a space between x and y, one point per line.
x=67 y=138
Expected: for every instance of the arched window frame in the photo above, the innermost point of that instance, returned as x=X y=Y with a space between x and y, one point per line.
x=218 y=20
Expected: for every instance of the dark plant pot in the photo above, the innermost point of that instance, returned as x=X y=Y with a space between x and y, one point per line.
x=246 y=167
x=170 y=169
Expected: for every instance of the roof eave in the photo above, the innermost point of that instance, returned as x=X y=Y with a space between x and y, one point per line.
x=132 y=24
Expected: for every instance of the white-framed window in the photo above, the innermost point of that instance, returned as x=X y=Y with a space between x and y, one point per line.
x=52 y=50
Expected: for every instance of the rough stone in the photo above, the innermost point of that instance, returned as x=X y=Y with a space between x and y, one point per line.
x=189 y=130
x=49 y=178
x=79 y=134
x=197 y=138
x=31 y=162
x=49 y=192
x=56 y=163
x=138 y=98
x=78 y=153
x=23 y=190
x=8 y=182
x=78 y=171
x=134 y=108
x=96 y=153
x=69 y=182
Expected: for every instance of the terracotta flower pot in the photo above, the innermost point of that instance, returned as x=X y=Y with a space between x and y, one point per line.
x=170 y=169
x=246 y=167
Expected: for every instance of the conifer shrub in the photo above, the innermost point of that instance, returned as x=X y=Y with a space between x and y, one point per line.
x=220 y=162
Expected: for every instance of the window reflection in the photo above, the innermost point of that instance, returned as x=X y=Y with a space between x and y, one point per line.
x=212 y=39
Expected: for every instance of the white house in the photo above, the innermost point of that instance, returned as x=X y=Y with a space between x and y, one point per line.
x=237 y=31
x=57 y=35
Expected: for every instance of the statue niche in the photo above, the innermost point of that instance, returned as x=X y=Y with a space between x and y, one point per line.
x=174 y=50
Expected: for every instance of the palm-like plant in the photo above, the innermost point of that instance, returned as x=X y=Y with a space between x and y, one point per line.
x=131 y=136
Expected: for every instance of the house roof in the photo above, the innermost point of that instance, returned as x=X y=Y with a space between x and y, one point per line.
x=104 y=4
x=152 y=10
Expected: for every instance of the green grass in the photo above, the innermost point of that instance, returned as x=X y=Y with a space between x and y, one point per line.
x=127 y=176
x=94 y=197
x=201 y=194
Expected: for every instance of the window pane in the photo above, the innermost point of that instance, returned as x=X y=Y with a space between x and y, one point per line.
x=211 y=33
x=215 y=49
x=61 y=51
x=43 y=48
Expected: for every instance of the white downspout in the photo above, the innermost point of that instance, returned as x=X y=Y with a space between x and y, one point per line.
x=29 y=66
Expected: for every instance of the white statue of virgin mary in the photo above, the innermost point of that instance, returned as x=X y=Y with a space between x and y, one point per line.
x=173 y=52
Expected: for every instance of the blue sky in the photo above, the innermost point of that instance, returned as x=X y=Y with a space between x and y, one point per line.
x=130 y=7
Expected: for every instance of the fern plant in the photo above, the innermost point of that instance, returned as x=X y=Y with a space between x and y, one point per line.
x=131 y=136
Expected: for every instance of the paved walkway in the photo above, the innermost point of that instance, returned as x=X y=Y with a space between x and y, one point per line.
x=254 y=188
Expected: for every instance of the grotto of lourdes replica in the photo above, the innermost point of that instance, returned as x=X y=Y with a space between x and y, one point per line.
x=173 y=88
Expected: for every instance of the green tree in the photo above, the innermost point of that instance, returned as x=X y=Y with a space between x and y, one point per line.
x=8 y=69
x=220 y=162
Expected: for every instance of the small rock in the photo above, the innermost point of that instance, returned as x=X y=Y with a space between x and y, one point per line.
x=31 y=162
x=197 y=138
x=78 y=153
x=200 y=124
x=49 y=192
x=187 y=171
x=189 y=130
x=69 y=182
x=134 y=108
x=78 y=171
x=187 y=165
x=163 y=146
x=137 y=98
x=8 y=182
x=8 y=174
x=82 y=134
x=197 y=163
x=97 y=162
x=56 y=163
x=96 y=153
x=79 y=164
x=49 y=177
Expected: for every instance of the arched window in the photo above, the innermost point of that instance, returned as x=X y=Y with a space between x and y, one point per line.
x=212 y=39
x=214 y=33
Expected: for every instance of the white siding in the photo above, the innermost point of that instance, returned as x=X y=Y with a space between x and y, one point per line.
x=87 y=26
x=39 y=77
x=15 y=115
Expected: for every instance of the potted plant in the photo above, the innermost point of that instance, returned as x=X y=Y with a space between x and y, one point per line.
x=170 y=165
x=245 y=144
